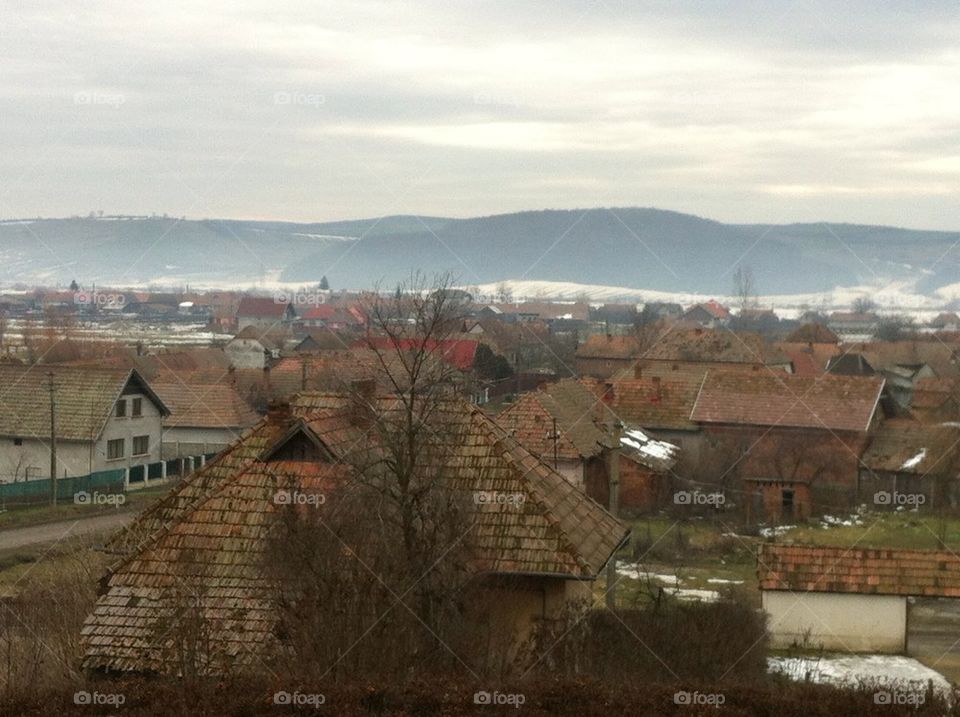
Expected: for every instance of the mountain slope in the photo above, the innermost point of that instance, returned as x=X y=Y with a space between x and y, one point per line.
x=630 y=247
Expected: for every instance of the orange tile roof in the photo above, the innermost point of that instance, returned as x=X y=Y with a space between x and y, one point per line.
x=652 y=402
x=209 y=536
x=839 y=403
x=211 y=405
x=862 y=571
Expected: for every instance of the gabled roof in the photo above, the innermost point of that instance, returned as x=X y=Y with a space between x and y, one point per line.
x=610 y=347
x=573 y=406
x=860 y=571
x=813 y=333
x=653 y=403
x=209 y=536
x=838 y=403
x=262 y=307
x=212 y=405
x=720 y=346
x=84 y=398
x=712 y=307
x=906 y=447
x=809 y=359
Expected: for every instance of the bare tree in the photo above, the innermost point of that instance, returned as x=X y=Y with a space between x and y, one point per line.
x=744 y=287
x=386 y=554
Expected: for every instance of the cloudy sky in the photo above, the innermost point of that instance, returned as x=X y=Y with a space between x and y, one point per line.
x=740 y=111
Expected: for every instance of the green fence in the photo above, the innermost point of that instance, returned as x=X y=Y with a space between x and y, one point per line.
x=38 y=491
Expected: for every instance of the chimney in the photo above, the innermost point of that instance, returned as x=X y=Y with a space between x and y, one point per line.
x=363 y=393
x=698 y=331
x=608 y=392
x=278 y=411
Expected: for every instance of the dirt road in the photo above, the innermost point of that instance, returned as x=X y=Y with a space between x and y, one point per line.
x=39 y=536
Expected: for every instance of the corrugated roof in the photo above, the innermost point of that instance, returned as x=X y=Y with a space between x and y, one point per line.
x=840 y=403
x=862 y=571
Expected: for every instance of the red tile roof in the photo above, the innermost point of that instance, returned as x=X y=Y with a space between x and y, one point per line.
x=839 y=403
x=862 y=571
x=457 y=352
x=262 y=307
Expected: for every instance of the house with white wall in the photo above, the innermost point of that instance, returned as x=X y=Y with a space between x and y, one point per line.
x=103 y=419
x=204 y=418
x=849 y=599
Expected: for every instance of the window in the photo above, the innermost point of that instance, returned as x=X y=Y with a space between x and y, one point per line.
x=137 y=407
x=141 y=445
x=18 y=441
x=114 y=449
x=121 y=410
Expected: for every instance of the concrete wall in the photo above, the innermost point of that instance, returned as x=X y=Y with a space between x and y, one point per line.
x=245 y=353
x=186 y=441
x=835 y=621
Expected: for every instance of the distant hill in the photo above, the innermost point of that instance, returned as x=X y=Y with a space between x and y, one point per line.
x=629 y=247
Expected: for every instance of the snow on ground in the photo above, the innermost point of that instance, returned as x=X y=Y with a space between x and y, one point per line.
x=896 y=296
x=905 y=673
x=775 y=531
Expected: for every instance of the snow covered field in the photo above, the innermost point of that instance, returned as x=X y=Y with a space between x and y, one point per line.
x=882 y=671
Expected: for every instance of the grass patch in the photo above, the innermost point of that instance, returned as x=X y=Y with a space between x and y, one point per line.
x=22 y=516
x=882 y=530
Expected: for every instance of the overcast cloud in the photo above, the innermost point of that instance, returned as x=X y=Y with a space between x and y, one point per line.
x=738 y=111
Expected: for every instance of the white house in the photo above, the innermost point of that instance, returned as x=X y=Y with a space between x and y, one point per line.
x=848 y=599
x=104 y=419
x=204 y=418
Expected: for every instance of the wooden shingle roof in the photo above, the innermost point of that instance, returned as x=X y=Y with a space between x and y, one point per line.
x=862 y=571
x=84 y=398
x=209 y=537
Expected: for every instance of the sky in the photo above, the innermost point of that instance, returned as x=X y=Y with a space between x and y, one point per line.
x=740 y=111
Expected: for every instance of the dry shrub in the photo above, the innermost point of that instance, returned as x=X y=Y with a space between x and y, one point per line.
x=666 y=641
x=40 y=624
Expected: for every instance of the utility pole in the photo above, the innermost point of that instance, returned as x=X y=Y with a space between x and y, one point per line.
x=613 y=504
x=555 y=437
x=53 y=439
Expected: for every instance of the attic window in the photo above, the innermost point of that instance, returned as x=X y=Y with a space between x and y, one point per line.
x=121 y=410
x=137 y=408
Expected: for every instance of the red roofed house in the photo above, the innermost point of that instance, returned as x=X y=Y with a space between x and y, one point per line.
x=799 y=440
x=459 y=353
x=710 y=314
x=849 y=598
x=263 y=312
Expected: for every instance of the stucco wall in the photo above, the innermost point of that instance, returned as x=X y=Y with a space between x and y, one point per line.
x=76 y=458
x=834 y=621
